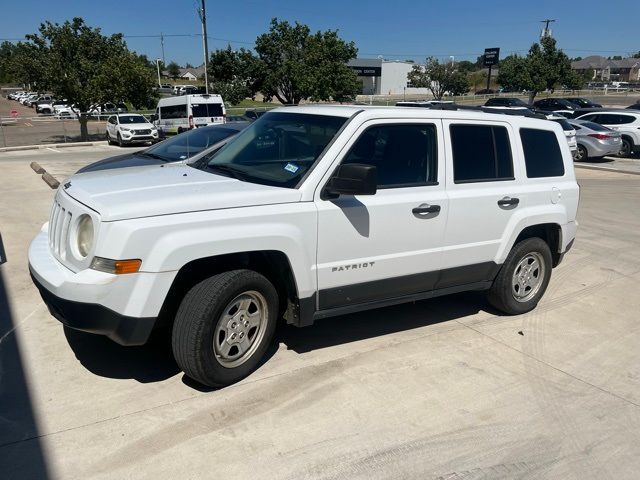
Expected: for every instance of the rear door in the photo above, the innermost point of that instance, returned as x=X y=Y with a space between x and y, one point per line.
x=206 y=113
x=385 y=246
x=484 y=194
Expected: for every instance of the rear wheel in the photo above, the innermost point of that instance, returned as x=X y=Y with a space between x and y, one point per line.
x=224 y=326
x=523 y=278
x=626 y=148
x=581 y=154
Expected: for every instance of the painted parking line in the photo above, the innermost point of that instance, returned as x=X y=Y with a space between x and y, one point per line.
x=54 y=150
x=28 y=124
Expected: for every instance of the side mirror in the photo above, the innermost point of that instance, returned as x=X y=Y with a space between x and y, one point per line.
x=153 y=117
x=353 y=179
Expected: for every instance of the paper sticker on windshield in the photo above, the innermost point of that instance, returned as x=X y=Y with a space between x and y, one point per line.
x=290 y=167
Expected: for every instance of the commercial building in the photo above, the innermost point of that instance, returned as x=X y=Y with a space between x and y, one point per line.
x=384 y=77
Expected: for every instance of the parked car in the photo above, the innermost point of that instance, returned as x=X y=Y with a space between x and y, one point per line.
x=594 y=140
x=26 y=101
x=102 y=108
x=627 y=122
x=15 y=95
x=556 y=105
x=485 y=91
x=187 y=146
x=506 y=102
x=582 y=102
x=48 y=107
x=178 y=114
x=635 y=106
x=567 y=129
x=308 y=214
x=130 y=128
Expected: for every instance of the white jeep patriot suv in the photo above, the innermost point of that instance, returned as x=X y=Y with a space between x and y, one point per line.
x=310 y=212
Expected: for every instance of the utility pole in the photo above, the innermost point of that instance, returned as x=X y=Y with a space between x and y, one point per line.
x=162 y=44
x=202 y=12
x=546 y=32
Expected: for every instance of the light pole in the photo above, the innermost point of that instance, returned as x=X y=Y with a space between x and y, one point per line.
x=158 y=67
x=452 y=60
x=202 y=12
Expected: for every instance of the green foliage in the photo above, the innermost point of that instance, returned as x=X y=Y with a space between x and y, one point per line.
x=233 y=74
x=77 y=62
x=438 y=77
x=295 y=65
x=544 y=68
x=7 y=51
x=465 y=66
x=173 y=69
x=477 y=78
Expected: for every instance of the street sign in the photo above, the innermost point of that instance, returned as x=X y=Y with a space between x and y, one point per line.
x=14 y=113
x=491 y=56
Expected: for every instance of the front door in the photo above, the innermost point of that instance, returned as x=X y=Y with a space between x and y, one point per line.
x=385 y=246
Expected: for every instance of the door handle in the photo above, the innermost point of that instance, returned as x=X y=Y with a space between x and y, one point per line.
x=507 y=201
x=424 y=209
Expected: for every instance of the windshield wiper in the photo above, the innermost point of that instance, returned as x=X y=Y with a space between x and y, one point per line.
x=233 y=172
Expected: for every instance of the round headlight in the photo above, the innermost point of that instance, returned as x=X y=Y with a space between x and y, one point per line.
x=85 y=235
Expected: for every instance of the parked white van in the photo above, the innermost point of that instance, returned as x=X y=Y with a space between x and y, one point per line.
x=177 y=114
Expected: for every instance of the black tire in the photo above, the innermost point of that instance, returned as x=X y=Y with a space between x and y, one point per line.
x=120 y=142
x=108 y=137
x=203 y=310
x=581 y=154
x=626 y=149
x=502 y=296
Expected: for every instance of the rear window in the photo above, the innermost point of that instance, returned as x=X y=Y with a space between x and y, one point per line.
x=481 y=153
x=595 y=126
x=206 y=109
x=542 y=155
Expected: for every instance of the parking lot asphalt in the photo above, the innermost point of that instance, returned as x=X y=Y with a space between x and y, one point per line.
x=439 y=389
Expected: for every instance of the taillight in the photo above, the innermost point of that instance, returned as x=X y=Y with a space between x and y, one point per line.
x=600 y=136
x=191 y=125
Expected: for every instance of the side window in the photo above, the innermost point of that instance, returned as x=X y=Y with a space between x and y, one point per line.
x=404 y=155
x=542 y=155
x=591 y=118
x=624 y=119
x=481 y=153
x=173 y=111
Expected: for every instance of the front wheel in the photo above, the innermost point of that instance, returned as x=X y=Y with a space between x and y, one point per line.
x=120 y=142
x=523 y=278
x=224 y=326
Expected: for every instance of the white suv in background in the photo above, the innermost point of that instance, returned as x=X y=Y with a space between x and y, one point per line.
x=310 y=212
x=130 y=128
x=624 y=121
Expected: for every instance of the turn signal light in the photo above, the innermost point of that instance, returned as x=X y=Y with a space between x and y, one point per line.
x=116 y=267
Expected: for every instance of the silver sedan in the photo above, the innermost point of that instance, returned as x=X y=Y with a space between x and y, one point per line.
x=594 y=141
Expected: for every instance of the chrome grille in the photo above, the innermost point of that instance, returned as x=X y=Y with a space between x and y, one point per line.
x=142 y=132
x=59 y=230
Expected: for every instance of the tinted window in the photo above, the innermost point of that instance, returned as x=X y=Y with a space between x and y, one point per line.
x=542 y=154
x=173 y=111
x=206 y=109
x=612 y=119
x=592 y=118
x=566 y=126
x=480 y=153
x=126 y=119
x=404 y=155
x=596 y=127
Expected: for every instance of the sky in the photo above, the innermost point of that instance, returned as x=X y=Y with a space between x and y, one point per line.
x=393 y=29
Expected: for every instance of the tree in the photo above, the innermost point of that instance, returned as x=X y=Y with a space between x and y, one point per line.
x=438 y=77
x=544 y=68
x=233 y=74
x=465 y=66
x=173 y=69
x=477 y=78
x=188 y=65
x=295 y=65
x=636 y=55
x=7 y=51
x=77 y=62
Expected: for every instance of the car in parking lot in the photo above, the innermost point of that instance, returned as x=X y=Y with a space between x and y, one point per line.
x=582 y=102
x=556 y=105
x=130 y=128
x=180 y=148
x=627 y=122
x=305 y=215
x=594 y=141
x=178 y=114
x=568 y=130
x=634 y=106
x=506 y=102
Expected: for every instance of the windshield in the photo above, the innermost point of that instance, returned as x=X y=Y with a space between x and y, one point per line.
x=188 y=144
x=278 y=149
x=132 y=119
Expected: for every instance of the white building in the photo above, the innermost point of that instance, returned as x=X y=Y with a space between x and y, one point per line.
x=384 y=77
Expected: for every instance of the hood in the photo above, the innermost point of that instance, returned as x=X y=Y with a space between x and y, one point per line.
x=120 y=194
x=134 y=159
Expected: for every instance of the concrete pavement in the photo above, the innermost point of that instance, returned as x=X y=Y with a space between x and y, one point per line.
x=442 y=389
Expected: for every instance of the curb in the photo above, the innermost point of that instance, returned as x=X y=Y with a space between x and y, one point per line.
x=607 y=169
x=52 y=145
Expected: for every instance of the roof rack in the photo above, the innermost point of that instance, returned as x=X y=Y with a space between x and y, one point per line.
x=481 y=108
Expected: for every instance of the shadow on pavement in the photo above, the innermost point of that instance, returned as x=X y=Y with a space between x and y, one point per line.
x=21 y=451
x=383 y=321
x=148 y=363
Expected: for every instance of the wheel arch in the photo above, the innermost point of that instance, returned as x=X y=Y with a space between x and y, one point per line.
x=273 y=264
x=551 y=233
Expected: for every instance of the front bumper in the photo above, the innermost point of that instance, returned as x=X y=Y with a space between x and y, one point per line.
x=122 y=307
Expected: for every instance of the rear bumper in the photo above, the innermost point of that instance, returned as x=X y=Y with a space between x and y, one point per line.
x=95 y=318
x=597 y=149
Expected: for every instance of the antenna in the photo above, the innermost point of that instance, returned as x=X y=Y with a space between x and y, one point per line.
x=546 y=32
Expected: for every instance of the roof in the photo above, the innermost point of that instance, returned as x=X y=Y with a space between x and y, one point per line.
x=600 y=62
